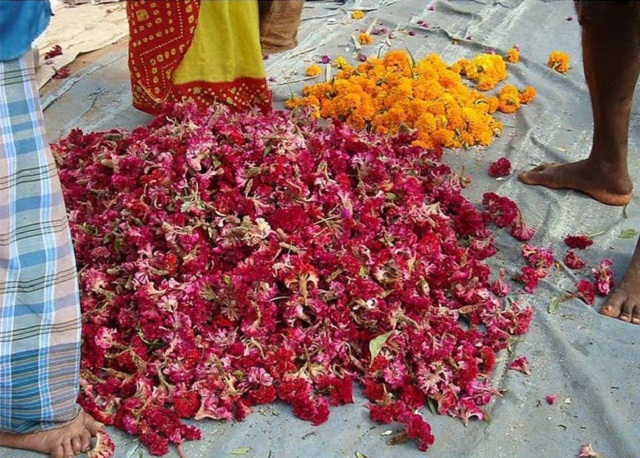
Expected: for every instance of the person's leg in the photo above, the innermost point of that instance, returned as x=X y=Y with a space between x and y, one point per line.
x=39 y=304
x=611 y=55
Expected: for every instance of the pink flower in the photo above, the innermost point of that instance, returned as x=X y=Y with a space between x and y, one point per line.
x=520 y=364
x=603 y=277
x=586 y=451
x=501 y=167
x=104 y=448
x=572 y=261
x=551 y=399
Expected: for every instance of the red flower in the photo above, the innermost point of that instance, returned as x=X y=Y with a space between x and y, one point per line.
x=580 y=241
x=585 y=291
x=500 y=168
x=551 y=399
x=187 y=404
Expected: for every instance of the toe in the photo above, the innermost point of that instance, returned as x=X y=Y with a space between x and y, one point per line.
x=57 y=452
x=77 y=446
x=86 y=440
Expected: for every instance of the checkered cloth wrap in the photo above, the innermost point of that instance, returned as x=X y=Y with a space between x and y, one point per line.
x=39 y=305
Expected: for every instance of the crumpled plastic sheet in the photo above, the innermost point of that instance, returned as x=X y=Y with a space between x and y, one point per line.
x=590 y=362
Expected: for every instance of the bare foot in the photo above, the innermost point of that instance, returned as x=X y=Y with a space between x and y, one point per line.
x=597 y=182
x=624 y=302
x=67 y=441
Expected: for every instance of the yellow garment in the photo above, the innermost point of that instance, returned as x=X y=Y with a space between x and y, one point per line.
x=226 y=44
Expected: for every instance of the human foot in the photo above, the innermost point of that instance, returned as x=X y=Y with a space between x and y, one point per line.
x=624 y=302
x=67 y=441
x=605 y=187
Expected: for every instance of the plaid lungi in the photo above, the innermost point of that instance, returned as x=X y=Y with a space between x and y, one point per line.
x=39 y=305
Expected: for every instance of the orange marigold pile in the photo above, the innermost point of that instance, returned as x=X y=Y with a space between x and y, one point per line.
x=392 y=93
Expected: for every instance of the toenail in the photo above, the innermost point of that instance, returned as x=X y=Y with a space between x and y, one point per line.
x=624 y=317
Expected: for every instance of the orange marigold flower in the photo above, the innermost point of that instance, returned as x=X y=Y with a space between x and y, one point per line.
x=313 y=70
x=527 y=95
x=559 y=61
x=357 y=14
x=513 y=56
x=509 y=102
x=365 y=39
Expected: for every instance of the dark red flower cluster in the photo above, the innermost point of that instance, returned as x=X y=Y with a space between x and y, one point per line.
x=580 y=241
x=601 y=286
x=500 y=168
x=234 y=260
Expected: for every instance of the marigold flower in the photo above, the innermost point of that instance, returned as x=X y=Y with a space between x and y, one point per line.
x=559 y=61
x=313 y=70
x=357 y=14
x=393 y=92
x=365 y=39
x=527 y=95
x=513 y=56
x=340 y=62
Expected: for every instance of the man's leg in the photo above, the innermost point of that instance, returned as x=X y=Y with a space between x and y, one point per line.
x=611 y=55
x=39 y=304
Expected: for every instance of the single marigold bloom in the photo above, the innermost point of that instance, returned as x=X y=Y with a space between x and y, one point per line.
x=340 y=62
x=509 y=103
x=357 y=14
x=527 y=95
x=513 y=56
x=365 y=39
x=313 y=70
x=559 y=61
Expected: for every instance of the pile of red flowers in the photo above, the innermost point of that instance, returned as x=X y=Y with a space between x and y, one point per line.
x=228 y=261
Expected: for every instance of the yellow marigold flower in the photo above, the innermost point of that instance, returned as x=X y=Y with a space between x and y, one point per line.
x=340 y=62
x=313 y=70
x=527 y=95
x=487 y=70
x=513 y=56
x=365 y=39
x=559 y=61
x=357 y=14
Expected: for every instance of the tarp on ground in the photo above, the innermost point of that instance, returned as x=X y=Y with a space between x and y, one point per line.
x=590 y=362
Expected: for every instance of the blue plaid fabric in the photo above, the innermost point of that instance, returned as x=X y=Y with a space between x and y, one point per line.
x=39 y=305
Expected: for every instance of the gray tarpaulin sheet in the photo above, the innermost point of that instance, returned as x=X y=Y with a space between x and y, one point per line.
x=590 y=362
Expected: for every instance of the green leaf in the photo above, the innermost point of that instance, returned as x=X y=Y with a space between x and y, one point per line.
x=376 y=344
x=240 y=451
x=555 y=304
x=487 y=416
x=360 y=455
x=628 y=234
x=433 y=405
